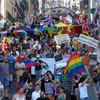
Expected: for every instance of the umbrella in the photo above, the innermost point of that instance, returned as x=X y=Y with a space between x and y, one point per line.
x=38 y=28
x=23 y=28
x=61 y=25
x=20 y=32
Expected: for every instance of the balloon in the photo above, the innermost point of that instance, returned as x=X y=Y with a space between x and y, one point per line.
x=45 y=24
x=86 y=14
x=93 y=20
x=69 y=31
x=35 y=33
x=71 y=26
x=35 y=29
x=99 y=21
x=55 y=27
x=83 y=13
x=64 y=22
x=66 y=30
x=75 y=43
x=11 y=58
x=54 y=30
x=83 y=16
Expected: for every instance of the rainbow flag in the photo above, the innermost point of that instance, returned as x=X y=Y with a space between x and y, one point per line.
x=57 y=78
x=25 y=86
x=74 y=66
x=50 y=96
x=98 y=72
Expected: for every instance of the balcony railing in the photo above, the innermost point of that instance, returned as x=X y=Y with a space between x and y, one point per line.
x=9 y=17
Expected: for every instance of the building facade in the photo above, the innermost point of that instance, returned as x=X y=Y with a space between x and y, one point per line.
x=17 y=10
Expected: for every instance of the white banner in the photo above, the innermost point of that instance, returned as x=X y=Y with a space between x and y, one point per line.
x=62 y=38
x=51 y=63
x=88 y=41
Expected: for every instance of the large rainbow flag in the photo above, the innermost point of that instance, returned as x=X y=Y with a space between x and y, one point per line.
x=74 y=66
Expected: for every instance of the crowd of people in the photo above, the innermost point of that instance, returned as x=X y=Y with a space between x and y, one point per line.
x=44 y=46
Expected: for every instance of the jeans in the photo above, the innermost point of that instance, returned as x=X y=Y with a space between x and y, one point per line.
x=85 y=98
x=38 y=73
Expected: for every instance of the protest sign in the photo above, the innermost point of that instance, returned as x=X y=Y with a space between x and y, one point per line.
x=62 y=39
x=48 y=88
x=88 y=41
x=7 y=40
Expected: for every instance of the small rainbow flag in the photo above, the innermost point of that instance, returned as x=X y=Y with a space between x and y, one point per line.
x=25 y=86
x=74 y=66
x=98 y=72
x=57 y=78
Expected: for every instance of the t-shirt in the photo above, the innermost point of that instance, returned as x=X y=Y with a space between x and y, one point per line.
x=35 y=95
x=4 y=70
x=38 y=66
x=46 y=98
x=83 y=91
x=44 y=40
x=20 y=65
x=5 y=46
x=29 y=94
x=43 y=84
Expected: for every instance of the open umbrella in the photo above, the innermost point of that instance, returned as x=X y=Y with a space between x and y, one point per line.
x=20 y=32
x=61 y=25
x=25 y=28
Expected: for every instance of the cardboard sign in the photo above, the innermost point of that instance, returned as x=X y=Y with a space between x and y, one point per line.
x=48 y=88
x=8 y=40
x=88 y=41
x=62 y=39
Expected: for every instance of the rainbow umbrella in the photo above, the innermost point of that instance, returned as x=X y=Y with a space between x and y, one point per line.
x=20 y=32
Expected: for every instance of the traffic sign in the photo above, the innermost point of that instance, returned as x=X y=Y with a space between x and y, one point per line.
x=89 y=11
x=98 y=9
x=46 y=5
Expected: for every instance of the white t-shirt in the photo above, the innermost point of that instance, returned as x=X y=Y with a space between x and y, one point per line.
x=83 y=91
x=92 y=61
x=17 y=53
x=35 y=95
x=39 y=46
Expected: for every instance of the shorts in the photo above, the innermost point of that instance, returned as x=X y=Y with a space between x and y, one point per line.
x=77 y=91
x=85 y=98
x=4 y=81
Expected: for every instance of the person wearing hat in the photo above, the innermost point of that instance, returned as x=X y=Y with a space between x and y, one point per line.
x=4 y=76
x=38 y=69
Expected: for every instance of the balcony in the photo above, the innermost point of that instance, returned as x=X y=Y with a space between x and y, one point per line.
x=9 y=17
x=22 y=5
